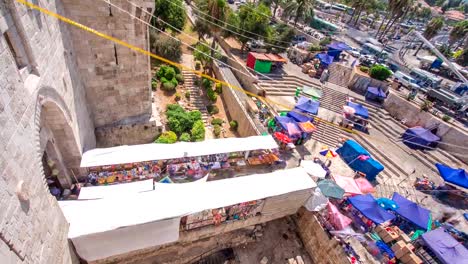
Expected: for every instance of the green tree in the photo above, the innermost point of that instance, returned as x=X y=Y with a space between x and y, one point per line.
x=380 y=72
x=203 y=53
x=202 y=28
x=253 y=19
x=179 y=120
x=282 y=35
x=167 y=137
x=198 y=131
x=458 y=32
x=172 y=12
x=434 y=26
x=300 y=9
x=165 y=46
x=185 y=137
x=398 y=9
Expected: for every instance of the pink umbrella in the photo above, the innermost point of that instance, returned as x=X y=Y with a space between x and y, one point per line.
x=348 y=184
x=337 y=219
x=364 y=185
x=293 y=129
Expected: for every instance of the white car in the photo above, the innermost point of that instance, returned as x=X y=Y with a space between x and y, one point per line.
x=406 y=80
x=354 y=52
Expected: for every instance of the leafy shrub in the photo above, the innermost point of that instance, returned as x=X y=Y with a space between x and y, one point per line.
x=162 y=71
x=314 y=48
x=219 y=88
x=217 y=130
x=170 y=73
x=446 y=118
x=217 y=121
x=176 y=69
x=177 y=97
x=185 y=137
x=233 y=124
x=168 y=86
x=166 y=47
x=198 y=131
x=179 y=77
x=167 y=137
x=179 y=120
x=197 y=65
x=325 y=41
x=364 y=69
x=207 y=83
x=380 y=72
x=154 y=84
x=187 y=94
x=426 y=105
x=196 y=82
x=212 y=96
x=212 y=109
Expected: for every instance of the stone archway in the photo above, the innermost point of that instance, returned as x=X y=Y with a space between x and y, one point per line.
x=59 y=149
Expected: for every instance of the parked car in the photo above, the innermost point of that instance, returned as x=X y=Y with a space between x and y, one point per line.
x=354 y=52
x=298 y=39
x=256 y=46
x=406 y=80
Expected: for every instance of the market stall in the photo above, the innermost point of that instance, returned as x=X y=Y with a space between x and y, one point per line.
x=445 y=247
x=375 y=94
x=412 y=212
x=348 y=184
x=264 y=62
x=307 y=105
x=458 y=177
x=420 y=138
x=368 y=206
x=351 y=152
x=355 y=116
x=338 y=220
x=335 y=49
x=179 y=162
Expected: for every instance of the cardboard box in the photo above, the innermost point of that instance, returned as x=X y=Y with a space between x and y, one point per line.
x=399 y=253
x=398 y=245
x=404 y=237
x=411 y=259
x=407 y=249
x=389 y=237
x=379 y=229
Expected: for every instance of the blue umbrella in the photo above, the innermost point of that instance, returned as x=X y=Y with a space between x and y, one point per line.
x=387 y=204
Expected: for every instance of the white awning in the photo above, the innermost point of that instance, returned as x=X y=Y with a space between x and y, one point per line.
x=313 y=169
x=153 y=151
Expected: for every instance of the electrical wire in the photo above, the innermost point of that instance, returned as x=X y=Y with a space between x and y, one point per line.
x=130 y=46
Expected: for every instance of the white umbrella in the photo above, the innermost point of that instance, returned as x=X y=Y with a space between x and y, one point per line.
x=313 y=169
x=317 y=202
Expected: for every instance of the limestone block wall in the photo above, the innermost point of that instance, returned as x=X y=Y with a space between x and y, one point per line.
x=455 y=137
x=116 y=79
x=320 y=247
x=33 y=228
x=194 y=242
x=140 y=133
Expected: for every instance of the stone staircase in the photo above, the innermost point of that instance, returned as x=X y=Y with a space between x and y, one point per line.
x=333 y=100
x=339 y=74
x=327 y=133
x=196 y=100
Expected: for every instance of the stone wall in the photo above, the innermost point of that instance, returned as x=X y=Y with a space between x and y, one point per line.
x=41 y=84
x=320 y=247
x=116 y=79
x=453 y=139
x=140 y=133
x=194 y=242
x=359 y=82
x=236 y=107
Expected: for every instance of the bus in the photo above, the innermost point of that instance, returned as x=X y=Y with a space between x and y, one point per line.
x=425 y=79
x=371 y=49
x=343 y=8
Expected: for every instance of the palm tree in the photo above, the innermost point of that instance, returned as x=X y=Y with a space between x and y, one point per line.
x=398 y=9
x=277 y=4
x=434 y=26
x=300 y=9
x=458 y=32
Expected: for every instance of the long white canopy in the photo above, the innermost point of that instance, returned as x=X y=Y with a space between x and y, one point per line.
x=153 y=151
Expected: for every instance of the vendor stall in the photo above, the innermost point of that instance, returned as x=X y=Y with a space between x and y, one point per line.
x=412 y=212
x=355 y=116
x=264 y=62
x=420 y=138
x=367 y=205
x=375 y=94
x=445 y=247
x=351 y=152
x=455 y=176
x=335 y=49
x=307 y=105
x=348 y=184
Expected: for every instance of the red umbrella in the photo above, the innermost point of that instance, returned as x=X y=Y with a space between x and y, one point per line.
x=282 y=137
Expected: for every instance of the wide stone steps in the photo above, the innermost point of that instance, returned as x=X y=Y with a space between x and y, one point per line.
x=327 y=134
x=196 y=103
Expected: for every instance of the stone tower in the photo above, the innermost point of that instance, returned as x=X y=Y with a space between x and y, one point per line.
x=62 y=92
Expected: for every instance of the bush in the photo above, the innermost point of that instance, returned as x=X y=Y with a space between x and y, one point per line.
x=167 y=137
x=219 y=88
x=179 y=120
x=233 y=124
x=170 y=73
x=177 y=70
x=185 y=137
x=179 y=77
x=177 y=97
x=212 y=96
x=380 y=72
x=198 y=131
x=196 y=82
x=168 y=86
x=162 y=71
x=212 y=109
x=325 y=41
x=207 y=83
x=364 y=69
x=154 y=84
x=446 y=118
x=426 y=105
x=166 y=47
x=217 y=121
x=217 y=130
x=197 y=65
x=187 y=94
x=315 y=48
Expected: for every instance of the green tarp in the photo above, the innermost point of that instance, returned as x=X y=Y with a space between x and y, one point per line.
x=313 y=92
x=262 y=66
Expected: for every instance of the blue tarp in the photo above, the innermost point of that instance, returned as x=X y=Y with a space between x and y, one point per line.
x=325 y=58
x=284 y=121
x=338 y=46
x=360 y=109
x=447 y=249
x=368 y=206
x=299 y=117
x=307 y=105
x=456 y=176
x=375 y=93
x=419 y=137
x=349 y=153
x=411 y=211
